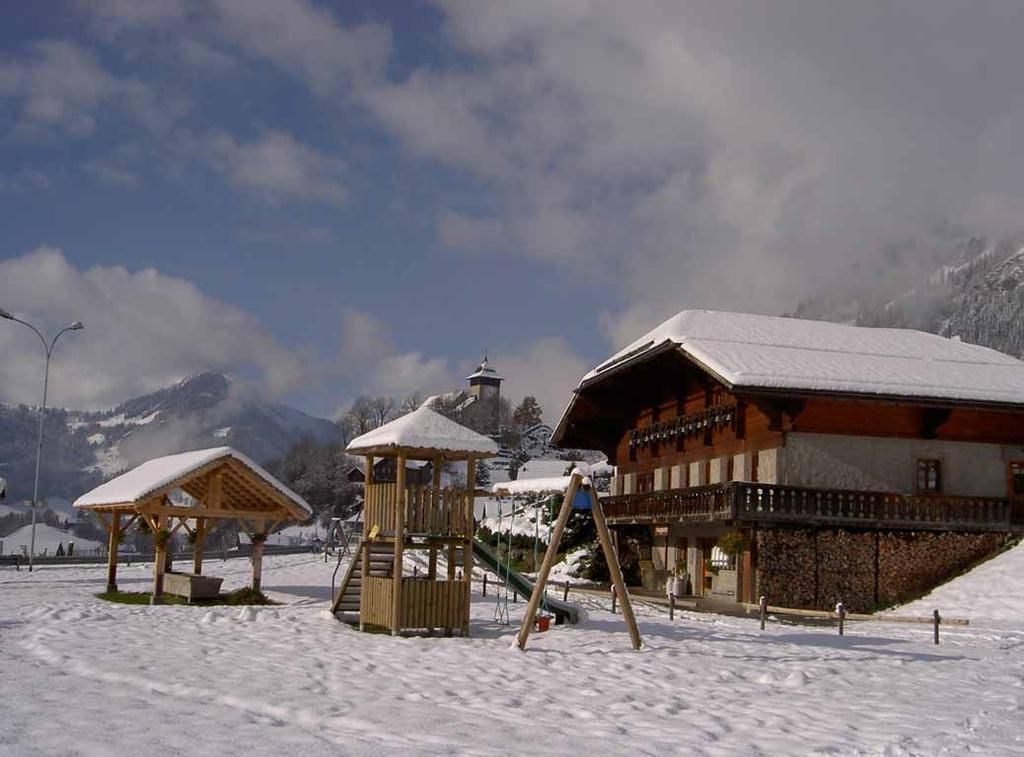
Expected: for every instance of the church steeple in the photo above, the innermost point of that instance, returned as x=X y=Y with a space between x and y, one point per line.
x=485 y=387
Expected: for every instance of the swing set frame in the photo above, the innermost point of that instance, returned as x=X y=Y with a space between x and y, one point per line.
x=577 y=482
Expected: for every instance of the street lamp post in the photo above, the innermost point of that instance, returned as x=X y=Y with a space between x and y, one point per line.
x=48 y=350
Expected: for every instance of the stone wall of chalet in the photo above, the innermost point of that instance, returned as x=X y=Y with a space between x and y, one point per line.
x=867 y=570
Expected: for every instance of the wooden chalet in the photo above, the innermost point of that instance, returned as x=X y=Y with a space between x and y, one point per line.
x=806 y=461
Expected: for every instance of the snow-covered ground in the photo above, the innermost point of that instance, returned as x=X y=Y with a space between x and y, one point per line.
x=84 y=677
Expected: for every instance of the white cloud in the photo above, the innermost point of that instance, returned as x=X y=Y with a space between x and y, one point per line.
x=144 y=330
x=278 y=167
x=718 y=154
x=109 y=173
x=372 y=363
x=111 y=17
x=466 y=232
x=198 y=54
x=24 y=180
x=370 y=360
x=62 y=87
x=306 y=40
x=547 y=368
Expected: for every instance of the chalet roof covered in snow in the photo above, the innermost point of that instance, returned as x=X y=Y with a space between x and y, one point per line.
x=421 y=431
x=175 y=471
x=772 y=353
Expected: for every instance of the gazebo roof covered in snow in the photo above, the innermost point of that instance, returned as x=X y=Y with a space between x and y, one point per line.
x=226 y=483
x=423 y=434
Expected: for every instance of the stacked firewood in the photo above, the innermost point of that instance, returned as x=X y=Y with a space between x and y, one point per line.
x=865 y=570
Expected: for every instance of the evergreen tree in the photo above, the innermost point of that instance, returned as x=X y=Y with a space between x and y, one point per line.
x=528 y=413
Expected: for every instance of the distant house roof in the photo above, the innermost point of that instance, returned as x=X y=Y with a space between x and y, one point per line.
x=765 y=352
x=545 y=485
x=423 y=431
x=543 y=468
x=170 y=471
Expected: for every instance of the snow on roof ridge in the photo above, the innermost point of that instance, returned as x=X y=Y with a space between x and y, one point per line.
x=160 y=471
x=424 y=428
x=776 y=352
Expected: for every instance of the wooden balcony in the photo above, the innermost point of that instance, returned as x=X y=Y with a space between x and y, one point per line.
x=440 y=512
x=743 y=503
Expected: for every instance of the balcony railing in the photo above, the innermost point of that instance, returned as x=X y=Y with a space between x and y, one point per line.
x=443 y=512
x=698 y=503
x=767 y=503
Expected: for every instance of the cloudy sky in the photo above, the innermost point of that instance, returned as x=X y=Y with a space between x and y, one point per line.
x=335 y=197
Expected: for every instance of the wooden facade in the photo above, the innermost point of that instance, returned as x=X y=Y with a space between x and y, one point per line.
x=697 y=459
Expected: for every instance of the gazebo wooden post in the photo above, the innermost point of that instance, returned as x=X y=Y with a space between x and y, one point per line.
x=467 y=547
x=215 y=501
x=198 y=537
x=113 y=542
x=258 y=537
x=396 y=571
x=159 y=557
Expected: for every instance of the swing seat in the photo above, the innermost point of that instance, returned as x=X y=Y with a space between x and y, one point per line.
x=542 y=623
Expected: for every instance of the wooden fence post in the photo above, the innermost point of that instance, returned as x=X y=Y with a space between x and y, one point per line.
x=763 y=608
x=937 y=620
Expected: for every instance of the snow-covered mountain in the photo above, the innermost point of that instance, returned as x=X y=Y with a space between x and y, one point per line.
x=977 y=294
x=205 y=410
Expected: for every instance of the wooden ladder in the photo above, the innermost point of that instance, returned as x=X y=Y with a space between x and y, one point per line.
x=382 y=561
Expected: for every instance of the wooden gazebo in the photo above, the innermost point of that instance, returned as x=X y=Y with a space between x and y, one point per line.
x=429 y=518
x=221 y=484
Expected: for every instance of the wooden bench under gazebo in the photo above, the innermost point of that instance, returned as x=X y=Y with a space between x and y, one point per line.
x=221 y=484
x=429 y=518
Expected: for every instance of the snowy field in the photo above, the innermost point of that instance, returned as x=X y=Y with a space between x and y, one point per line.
x=84 y=677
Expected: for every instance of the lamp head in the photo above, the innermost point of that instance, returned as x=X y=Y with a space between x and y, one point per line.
x=76 y=326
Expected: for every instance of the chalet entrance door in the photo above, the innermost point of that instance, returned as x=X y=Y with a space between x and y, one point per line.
x=705 y=546
x=1015 y=490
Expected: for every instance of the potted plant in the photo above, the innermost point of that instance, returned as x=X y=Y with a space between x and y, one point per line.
x=733 y=543
x=680 y=579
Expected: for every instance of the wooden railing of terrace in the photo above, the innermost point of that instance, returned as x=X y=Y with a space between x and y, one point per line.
x=744 y=502
x=441 y=512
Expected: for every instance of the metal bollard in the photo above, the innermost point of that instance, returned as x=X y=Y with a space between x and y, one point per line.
x=672 y=606
x=763 y=608
x=841 y=609
x=614 y=598
x=485 y=584
x=937 y=619
x=565 y=592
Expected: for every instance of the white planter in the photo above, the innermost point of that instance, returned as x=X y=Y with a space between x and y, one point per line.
x=677 y=586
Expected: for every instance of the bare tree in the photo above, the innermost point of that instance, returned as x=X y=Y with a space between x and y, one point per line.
x=382 y=410
x=360 y=417
x=411 y=402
